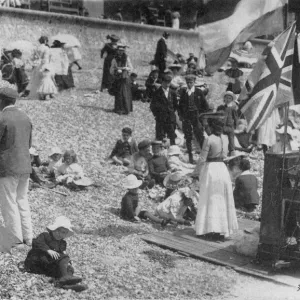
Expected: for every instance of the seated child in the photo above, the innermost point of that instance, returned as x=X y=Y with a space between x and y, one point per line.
x=130 y=208
x=176 y=163
x=234 y=74
x=137 y=91
x=48 y=255
x=124 y=148
x=70 y=172
x=246 y=185
x=55 y=160
x=231 y=118
x=158 y=164
x=174 y=207
x=152 y=85
x=139 y=164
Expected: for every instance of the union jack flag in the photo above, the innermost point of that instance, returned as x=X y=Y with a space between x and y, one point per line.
x=270 y=83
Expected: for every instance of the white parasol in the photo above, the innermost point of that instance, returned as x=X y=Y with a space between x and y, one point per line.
x=26 y=47
x=68 y=39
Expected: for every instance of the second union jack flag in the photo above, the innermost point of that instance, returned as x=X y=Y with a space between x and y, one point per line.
x=270 y=83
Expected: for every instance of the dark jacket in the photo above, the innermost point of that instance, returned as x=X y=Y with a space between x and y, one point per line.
x=128 y=205
x=164 y=108
x=15 y=141
x=231 y=117
x=199 y=99
x=124 y=149
x=245 y=191
x=161 y=51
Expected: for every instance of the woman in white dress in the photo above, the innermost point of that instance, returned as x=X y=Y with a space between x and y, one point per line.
x=43 y=57
x=216 y=217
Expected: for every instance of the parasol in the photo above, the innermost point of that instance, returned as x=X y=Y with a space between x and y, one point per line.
x=27 y=48
x=68 y=39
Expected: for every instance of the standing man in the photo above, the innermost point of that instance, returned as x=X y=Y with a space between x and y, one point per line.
x=161 y=53
x=192 y=103
x=163 y=107
x=15 y=167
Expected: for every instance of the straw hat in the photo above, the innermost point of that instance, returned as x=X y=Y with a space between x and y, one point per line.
x=231 y=94
x=55 y=150
x=64 y=222
x=131 y=182
x=173 y=179
x=174 y=66
x=174 y=150
x=85 y=181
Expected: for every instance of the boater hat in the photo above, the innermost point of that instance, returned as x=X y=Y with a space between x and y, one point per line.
x=64 y=222
x=8 y=94
x=174 y=150
x=172 y=180
x=131 y=182
x=55 y=150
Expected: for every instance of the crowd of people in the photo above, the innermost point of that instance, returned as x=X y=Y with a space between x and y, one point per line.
x=52 y=69
x=198 y=191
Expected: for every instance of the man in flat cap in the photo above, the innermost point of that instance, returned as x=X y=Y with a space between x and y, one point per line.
x=192 y=103
x=15 y=166
x=163 y=107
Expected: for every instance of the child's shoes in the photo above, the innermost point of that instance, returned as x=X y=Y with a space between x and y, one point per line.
x=69 y=279
x=75 y=287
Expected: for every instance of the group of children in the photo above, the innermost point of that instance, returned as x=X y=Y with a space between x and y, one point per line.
x=61 y=168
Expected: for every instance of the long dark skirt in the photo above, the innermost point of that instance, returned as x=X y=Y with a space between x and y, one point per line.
x=21 y=79
x=65 y=82
x=123 y=96
x=107 y=78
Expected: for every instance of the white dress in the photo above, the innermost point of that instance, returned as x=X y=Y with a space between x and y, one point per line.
x=43 y=55
x=216 y=210
x=47 y=86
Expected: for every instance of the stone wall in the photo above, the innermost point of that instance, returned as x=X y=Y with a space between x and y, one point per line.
x=19 y=24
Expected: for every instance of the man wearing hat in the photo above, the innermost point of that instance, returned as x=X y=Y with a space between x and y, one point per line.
x=192 y=58
x=163 y=107
x=230 y=121
x=160 y=56
x=15 y=166
x=192 y=103
x=139 y=164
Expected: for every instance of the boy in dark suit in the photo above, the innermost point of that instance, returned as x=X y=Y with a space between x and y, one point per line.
x=192 y=103
x=163 y=106
x=231 y=119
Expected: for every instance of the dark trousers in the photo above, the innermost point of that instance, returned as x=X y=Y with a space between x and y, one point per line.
x=163 y=128
x=190 y=125
x=229 y=131
x=161 y=67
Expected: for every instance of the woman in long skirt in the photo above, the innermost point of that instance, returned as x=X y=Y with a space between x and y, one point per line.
x=43 y=57
x=120 y=69
x=216 y=217
x=108 y=52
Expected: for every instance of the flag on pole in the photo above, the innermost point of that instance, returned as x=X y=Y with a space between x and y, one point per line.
x=251 y=18
x=270 y=83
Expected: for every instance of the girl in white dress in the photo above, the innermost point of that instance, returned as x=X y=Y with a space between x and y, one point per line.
x=47 y=87
x=216 y=216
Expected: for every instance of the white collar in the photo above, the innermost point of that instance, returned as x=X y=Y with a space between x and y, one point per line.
x=192 y=90
x=9 y=106
x=129 y=140
x=247 y=172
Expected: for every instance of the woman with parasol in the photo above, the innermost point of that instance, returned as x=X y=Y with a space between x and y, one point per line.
x=43 y=57
x=120 y=69
x=108 y=52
